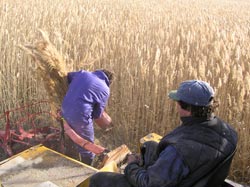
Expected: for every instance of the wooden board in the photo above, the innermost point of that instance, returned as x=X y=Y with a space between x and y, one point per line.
x=117 y=155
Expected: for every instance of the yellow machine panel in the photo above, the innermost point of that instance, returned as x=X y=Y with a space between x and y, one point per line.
x=150 y=137
x=40 y=166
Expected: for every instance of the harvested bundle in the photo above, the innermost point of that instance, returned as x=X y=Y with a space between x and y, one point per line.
x=51 y=68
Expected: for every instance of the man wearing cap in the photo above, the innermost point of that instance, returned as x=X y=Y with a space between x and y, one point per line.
x=190 y=151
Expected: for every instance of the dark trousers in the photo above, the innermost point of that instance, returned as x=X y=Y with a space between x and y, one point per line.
x=111 y=179
x=108 y=179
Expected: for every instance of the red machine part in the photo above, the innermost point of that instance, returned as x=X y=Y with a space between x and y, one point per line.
x=30 y=125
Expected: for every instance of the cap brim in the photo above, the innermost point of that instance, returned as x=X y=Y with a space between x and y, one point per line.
x=173 y=95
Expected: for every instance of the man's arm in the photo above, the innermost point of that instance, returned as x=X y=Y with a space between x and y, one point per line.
x=104 y=121
x=168 y=170
x=101 y=118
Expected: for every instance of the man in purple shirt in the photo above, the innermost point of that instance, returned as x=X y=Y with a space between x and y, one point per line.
x=84 y=103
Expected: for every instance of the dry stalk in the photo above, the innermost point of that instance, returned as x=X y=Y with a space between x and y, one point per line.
x=51 y=68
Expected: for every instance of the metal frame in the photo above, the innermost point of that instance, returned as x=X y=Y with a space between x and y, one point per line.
x=15 y=131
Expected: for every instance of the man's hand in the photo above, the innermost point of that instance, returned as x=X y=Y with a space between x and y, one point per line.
x=104 y=121
x=133 y=157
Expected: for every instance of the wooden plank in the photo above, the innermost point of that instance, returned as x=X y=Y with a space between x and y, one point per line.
x=117 y=155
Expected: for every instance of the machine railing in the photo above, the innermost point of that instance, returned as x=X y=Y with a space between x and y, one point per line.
x=29 y=125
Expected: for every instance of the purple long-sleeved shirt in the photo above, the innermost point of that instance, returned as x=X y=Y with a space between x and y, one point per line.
x=86 y=97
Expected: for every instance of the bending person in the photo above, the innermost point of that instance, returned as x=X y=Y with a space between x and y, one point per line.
x=85 y=102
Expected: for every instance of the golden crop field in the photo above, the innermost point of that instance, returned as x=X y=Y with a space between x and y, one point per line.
x=151 y=45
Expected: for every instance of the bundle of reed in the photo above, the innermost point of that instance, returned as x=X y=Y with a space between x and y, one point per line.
x=51 y=67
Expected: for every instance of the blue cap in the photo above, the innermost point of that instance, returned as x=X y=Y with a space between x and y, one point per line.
x=194 y=92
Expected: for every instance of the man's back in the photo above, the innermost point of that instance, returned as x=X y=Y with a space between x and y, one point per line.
x=86 y=97
x=203 y=144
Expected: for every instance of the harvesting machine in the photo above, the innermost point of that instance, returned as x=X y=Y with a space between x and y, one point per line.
x=36 y=154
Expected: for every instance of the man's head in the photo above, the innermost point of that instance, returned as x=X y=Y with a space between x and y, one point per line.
x=109 y=74
x=195 y=96
x=194 y=92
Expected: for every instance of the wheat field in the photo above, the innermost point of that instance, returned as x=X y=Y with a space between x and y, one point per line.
x=151 y=45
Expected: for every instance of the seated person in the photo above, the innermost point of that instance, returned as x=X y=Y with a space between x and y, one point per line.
x=183 y=156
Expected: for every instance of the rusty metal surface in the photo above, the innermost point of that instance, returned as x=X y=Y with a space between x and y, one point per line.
x=41 y=167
